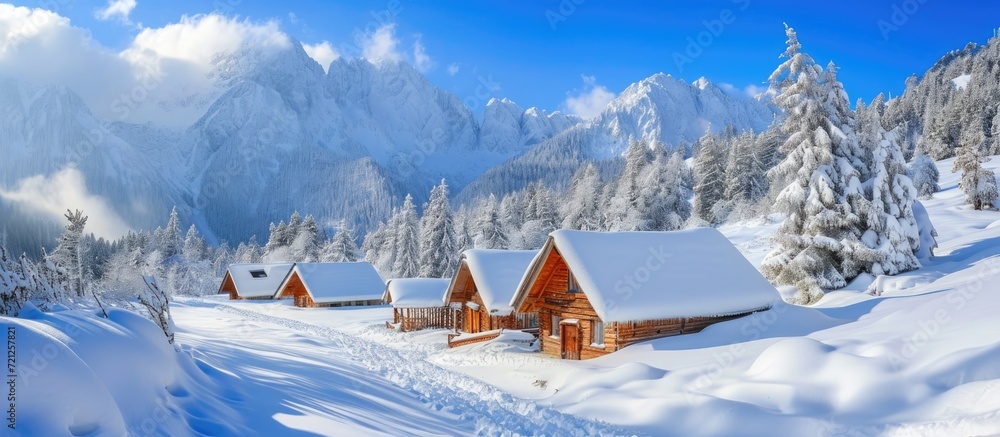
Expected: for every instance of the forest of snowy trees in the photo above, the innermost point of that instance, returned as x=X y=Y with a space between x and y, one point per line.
x=844 y=181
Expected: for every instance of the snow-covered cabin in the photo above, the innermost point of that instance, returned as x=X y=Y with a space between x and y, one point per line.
x=254 y=281
x=418 y=303
x=597 y=292
x=332 y=285
x=483 y=286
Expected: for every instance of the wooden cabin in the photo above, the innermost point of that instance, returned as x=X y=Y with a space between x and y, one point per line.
x=313 y=285
x=483 y=287
x=254 y=281
x=418 y=303
x=597 y=292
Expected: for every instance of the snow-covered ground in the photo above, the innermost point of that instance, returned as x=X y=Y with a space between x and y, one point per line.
x=921 y=359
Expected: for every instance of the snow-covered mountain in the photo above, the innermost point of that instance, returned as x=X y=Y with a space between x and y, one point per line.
x=280 y=134
x=659 y=110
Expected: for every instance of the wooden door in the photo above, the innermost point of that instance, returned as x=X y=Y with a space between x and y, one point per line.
x=570 y=341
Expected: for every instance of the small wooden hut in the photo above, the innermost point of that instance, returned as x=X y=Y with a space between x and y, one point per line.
x=253 y=281
x=418 y=303
x=332 y=285
x=597 y=292
x=482 y=289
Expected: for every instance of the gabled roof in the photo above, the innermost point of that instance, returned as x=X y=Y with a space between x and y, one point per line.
x=339 y=282
x=416 y=292
x=633 y=276
x=257 y=280
x=496 y=274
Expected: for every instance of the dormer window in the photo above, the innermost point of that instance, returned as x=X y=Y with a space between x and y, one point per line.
x=258 y=274
x=571 y=285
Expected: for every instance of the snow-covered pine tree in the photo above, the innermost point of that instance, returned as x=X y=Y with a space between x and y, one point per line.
x=407 y=241
x=746 y=179
x=437 y=235
x=463 y=233
x=342 y=247
x=307 y=242
x=582 y=208
x=978 y=183
x=378 y=247
x=172 y=240
x=710 y=176
x=489 y=232
x=66 y=256
x=892 y=232
x=195 y=248
x=936 y=142
x=276 y=249
x=925 y=175
x=663 y=185
x=809 y=245
x=628 y=210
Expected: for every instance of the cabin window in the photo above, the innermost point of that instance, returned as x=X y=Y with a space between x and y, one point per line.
x=259 y=274
x=555 y=325
x=597 y=333
x=571 y=285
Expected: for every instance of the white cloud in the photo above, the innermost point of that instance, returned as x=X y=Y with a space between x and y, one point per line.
x=50 y=196
x=324 y=53
x=117 y=9
x=381 y=45
x=589 y=102
x=421 y=61
x=168 y=68
x=292 y=18
x=750 y=91
x=453 y=69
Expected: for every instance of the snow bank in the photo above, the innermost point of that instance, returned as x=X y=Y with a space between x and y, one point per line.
x=81 y=374
x=416 y=292
x=631 y=276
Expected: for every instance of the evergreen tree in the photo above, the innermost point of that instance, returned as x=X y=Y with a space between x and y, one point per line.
x=893 y=231
x=66 y=257
x=171 y=240
x=342 y=247
x=308 y=240
x=936 y=142
x=490 y=233
x=582 y=208
x=810 y=244
x=195 y=248
x=669 y=207
x=978 y=183
x=407 y=241
x=437 y=235
x=628 y=209
x=925 y=175
x=710 y=177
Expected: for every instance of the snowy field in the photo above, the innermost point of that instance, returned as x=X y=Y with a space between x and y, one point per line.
x=921 y=359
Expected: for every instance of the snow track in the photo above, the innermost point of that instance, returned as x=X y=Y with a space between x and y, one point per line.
x=493 y=411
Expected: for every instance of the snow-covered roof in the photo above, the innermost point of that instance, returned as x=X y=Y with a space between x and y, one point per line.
x=416 y=292
x=497 y=274
x=340 y=282
x=632 y=276
x=258 y=280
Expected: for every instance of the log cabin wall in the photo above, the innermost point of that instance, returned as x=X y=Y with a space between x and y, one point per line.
x=555 y=299
x=229 y=286
x=295 y=289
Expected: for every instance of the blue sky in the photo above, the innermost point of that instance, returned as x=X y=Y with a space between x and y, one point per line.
x=538 y=52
